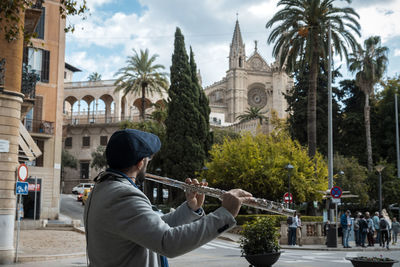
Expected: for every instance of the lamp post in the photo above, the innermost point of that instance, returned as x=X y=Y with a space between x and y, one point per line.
x=379 y=169
x=289 y=167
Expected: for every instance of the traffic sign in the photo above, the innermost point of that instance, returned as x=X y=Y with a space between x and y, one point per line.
x=336 y=192
x=287 y=199
x=22 y=188
x=336 y=200
x=22 y=172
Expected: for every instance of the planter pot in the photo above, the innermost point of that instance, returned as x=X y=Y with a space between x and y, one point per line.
x=263 y=260
x=369 y=263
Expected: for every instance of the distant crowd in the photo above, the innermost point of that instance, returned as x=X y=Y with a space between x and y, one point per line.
x=369 y=229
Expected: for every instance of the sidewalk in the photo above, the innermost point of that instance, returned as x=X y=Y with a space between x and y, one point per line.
x=235 y=238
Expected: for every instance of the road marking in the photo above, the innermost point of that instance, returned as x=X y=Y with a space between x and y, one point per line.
x=233 y=245
x=207 y=247
x=222 y=246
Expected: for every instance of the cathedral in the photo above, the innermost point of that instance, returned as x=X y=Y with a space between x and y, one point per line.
x=249 y=82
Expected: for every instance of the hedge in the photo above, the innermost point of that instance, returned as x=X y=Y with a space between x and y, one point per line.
x=242 y=219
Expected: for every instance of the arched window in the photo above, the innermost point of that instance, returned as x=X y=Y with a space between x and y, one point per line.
x=240 y=62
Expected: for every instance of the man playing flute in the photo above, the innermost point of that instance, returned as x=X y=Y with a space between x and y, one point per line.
x=121 y=227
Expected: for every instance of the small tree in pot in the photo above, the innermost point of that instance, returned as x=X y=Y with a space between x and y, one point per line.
x=259 y=242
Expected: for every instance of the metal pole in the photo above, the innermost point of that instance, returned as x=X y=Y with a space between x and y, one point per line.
x=336 y=222
x=396 y=112
x=34 y=203
x=289 y=189
x=330 y=142
x=18 y=227
x=380 y=193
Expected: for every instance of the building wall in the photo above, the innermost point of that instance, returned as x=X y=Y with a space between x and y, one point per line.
x=84 y=154
x=52 y=93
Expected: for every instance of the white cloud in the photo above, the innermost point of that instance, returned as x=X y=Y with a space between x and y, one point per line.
x=397 y=52
x=207 y=25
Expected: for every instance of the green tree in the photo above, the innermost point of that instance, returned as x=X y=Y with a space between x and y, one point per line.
x=253 y=113
x=302 y=36
x=221 y=134
x=353 y=179
x=10 y=12
x=160 y=113
x=94 y=77
x=99 y=160
x=67 y=161
x=205 y=135
x=184 y=151
x=370 y=65
x=384 y=130
x=297 y=99
x=257 y=164
x=141 y=75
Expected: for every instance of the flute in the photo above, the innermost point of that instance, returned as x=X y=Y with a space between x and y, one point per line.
x=258 y=203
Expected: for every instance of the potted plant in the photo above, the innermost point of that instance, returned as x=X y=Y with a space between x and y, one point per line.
x=363 y=261
x=259 y=242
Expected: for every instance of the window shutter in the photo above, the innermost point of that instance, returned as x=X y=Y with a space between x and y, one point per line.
x=39 y=30
x=45 y=66
x=25 y=55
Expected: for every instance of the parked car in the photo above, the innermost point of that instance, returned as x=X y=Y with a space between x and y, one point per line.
x=85 y=195
x=80 y=187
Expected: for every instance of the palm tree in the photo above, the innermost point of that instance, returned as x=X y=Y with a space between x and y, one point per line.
x=94 y=77
x=301 y=36
x=370 y=64
x=141 y=75
x=253 y=113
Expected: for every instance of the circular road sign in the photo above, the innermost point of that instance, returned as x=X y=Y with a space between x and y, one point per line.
x=22 y=172
x=336 y=192
x=287 y=199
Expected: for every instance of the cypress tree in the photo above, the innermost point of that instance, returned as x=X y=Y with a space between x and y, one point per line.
x=205 y=135
x=183 y=153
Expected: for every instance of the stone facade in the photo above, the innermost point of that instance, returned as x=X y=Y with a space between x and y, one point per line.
x=249 y=82
x=92 y=112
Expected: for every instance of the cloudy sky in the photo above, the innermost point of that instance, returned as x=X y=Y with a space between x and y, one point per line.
x=115 y=27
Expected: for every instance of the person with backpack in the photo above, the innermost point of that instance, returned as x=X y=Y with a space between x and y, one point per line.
x=292 y=222
x=384 y=228
x=371 y=229
x=357 y=230
x=346 y=222
x=363 y=230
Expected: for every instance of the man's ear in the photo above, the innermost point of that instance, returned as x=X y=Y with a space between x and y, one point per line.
x=139 y=165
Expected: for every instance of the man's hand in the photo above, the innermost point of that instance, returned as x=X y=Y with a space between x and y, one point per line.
x=233 y=199
x=195 y=200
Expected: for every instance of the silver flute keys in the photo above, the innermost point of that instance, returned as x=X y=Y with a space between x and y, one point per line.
x=258 y=203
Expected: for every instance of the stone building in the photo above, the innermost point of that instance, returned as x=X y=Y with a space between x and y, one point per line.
x=31 y=116
x=92 y=113
x=249 y=82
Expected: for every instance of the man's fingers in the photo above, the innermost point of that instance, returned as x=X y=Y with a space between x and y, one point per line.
x=188 y=180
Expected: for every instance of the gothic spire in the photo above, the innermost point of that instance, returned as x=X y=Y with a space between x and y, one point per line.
x=237 y=36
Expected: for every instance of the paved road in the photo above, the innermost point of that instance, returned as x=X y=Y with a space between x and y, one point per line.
x=70 y=207
x=220 y=253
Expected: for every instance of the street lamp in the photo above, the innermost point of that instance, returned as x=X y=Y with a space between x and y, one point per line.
x=379 y=169
x=289 y=167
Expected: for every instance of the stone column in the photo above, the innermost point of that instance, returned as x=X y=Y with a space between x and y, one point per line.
x=10 y=112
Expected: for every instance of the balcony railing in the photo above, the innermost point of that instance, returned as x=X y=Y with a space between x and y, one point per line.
x=28 y=83
x=2 y=71
x=95 y=120
x=39 y=126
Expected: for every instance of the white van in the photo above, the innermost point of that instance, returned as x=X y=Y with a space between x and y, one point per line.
x=81 y=187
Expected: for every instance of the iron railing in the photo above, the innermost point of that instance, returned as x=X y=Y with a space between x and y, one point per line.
x=29 y=80
x=2 y=71
x=96 y=120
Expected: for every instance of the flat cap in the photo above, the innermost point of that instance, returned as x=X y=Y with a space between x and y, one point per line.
x=127 y=147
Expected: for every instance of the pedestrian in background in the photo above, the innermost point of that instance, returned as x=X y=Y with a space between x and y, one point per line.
x=346 y=223
x=357 y=231
x=371 y=229
x=384 y=228
x=292 y=229
x=395 y=230
x=298 y=230
x=363 y=230
x=375 y=219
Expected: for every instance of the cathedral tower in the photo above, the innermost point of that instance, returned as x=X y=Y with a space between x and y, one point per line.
x=236 y=76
